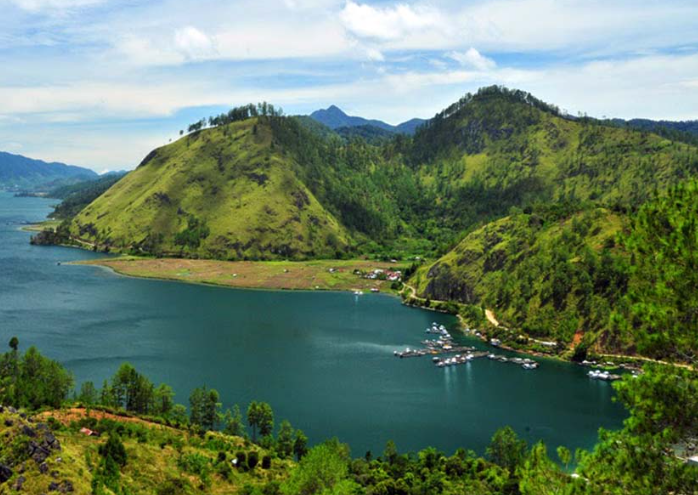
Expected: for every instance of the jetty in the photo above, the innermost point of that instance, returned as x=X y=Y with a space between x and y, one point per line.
x=455 y=354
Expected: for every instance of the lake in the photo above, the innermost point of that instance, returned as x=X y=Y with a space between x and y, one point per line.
x=323 y=360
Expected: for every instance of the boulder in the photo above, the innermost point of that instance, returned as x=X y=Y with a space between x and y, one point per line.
x=5 y=473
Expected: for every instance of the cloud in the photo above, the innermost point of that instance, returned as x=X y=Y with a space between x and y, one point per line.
x=194 y=44
x=42 y=5
x=388 y=23
x=472 y=59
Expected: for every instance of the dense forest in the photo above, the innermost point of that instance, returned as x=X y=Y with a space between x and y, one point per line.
x=207 y=450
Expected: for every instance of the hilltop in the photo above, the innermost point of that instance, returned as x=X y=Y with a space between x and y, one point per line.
x=227 y=192
x=18 y=172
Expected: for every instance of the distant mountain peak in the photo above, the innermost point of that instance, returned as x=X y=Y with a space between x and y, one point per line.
x=335 y=118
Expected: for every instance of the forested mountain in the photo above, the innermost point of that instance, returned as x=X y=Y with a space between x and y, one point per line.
x=18 y=172
x=540 y=201
x=334 y=118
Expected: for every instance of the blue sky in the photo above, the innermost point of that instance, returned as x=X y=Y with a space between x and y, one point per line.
x=99 y=83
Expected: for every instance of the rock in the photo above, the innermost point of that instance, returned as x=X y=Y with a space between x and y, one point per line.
x=9 y=422
x=42 y=427
x=2 y=409
x=52 y=441
x=38 y=453
x=5 y=473
x=28 y=431
x=12 y=410
x=23 y=415
x=64 y=486
x=43 y=468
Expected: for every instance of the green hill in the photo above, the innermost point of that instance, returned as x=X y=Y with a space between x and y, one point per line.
x=227 y=192
x=548 y=277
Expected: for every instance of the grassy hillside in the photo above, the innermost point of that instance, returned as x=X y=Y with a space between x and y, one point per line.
x=224 y=193
x=49 y=453
x=546 y=276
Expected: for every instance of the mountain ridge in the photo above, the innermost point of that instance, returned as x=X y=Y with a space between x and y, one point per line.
x=335 y=118
x=20 y=172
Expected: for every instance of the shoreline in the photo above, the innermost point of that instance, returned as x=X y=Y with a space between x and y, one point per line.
x=383 y=288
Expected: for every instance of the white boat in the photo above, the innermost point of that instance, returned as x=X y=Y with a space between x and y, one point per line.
x=358 y=293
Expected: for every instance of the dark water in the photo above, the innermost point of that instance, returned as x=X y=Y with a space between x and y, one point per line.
x=323 y=360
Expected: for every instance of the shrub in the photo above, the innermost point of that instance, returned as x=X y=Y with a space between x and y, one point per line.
x=266 y=462
x=252 y=459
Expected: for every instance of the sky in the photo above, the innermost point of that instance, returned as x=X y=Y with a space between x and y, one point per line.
x=99 y=83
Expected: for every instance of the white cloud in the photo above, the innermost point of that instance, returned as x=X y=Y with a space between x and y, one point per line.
x=194 y=44
x=388 y=23
x=473 y=59
x=41 y=5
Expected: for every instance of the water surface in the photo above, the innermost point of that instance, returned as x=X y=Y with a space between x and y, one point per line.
x=322 y=360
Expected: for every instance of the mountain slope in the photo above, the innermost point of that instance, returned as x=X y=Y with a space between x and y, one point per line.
x=227 y=193
x=500 y=149
x=334 y=118
x=544 y=275
x=20 y=172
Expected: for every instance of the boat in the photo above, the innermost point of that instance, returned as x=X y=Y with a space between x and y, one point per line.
x=529 y=366
x=495 y=342
x=358 y=293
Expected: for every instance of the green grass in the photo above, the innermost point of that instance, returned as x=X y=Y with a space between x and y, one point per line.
x=230 y=178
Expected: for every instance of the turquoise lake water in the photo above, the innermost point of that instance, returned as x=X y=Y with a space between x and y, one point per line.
x=323 y=360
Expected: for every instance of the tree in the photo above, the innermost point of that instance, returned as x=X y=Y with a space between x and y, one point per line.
x=390 y=453
x=323 y=470
x=232 y=422
x=285 y=440
x=14 y=344
x=260 y=418
x=179 y=414
x=205 y=407
x=300 y=444
x=211 y=413
x=131 y=390
x=42 y=381
x=163 y=400
x=506 y=449
x=88 y=394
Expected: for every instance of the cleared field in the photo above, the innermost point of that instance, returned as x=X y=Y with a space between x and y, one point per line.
x=299 y=275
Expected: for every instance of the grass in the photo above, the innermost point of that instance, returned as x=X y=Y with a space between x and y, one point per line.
x=233 y=180
x=298 y=275
x=45 y=225
x=154 y=456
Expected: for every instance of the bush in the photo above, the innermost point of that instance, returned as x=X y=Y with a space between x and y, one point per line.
x=252 y=459
x=266 y=462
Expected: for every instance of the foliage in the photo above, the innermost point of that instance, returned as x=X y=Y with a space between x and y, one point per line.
x=663 y=243
x=32 y=380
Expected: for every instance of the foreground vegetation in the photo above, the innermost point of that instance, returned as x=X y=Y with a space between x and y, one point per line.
x=129 y=437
